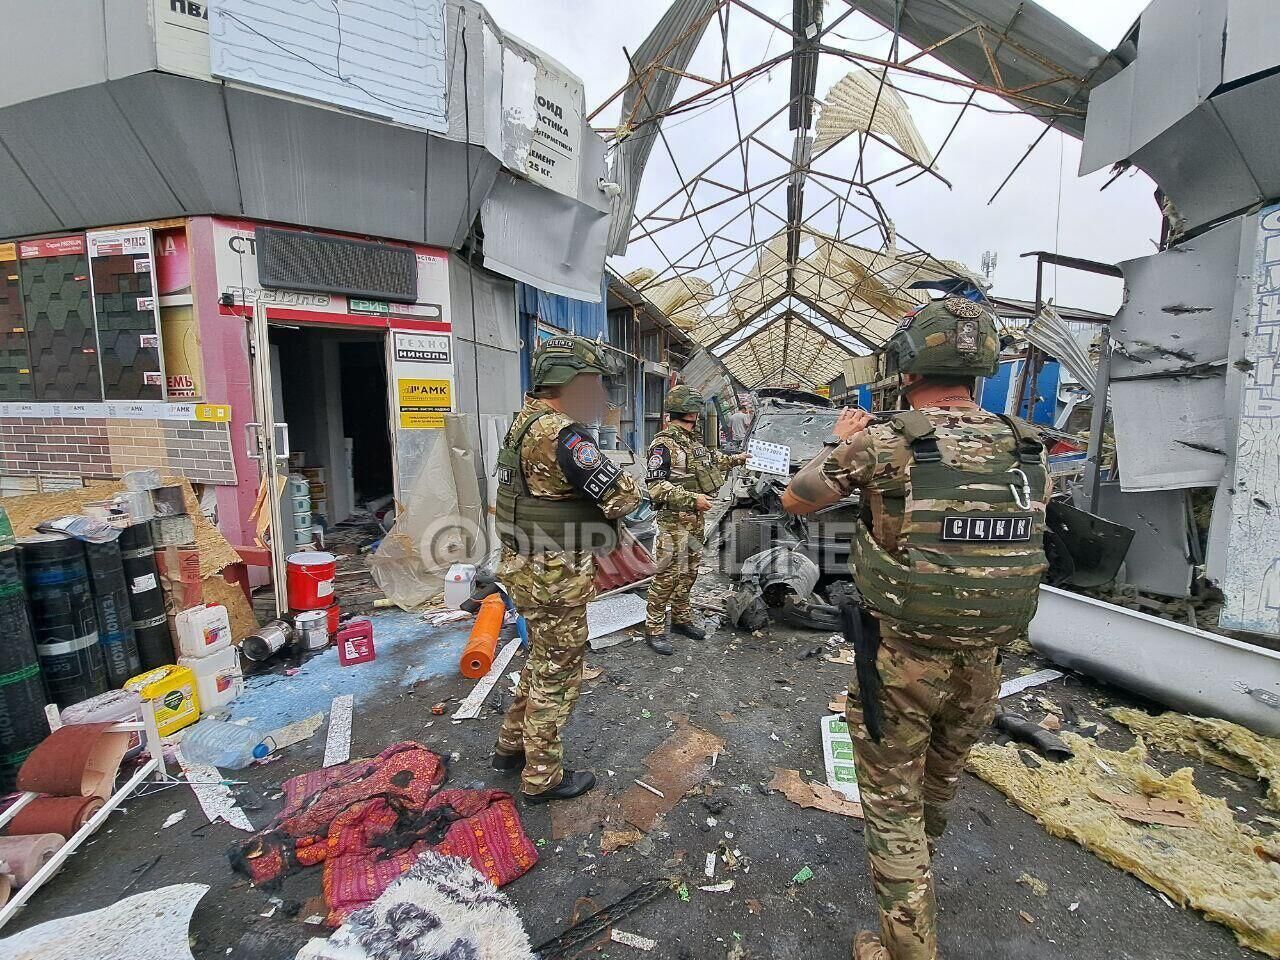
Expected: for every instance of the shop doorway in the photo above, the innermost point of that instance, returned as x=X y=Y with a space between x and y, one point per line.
x=329 y=389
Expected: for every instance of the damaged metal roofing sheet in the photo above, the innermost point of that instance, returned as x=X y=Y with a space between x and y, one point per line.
x=1026 y=54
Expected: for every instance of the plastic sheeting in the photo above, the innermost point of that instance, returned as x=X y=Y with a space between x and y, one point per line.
x=439 y=523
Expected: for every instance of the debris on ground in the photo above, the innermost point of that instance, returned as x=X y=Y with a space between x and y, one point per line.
x=815 y=796
x=845 y=656
x=632 y=940
x=673 y=768
x=1172 y=812
x=337 y=746
x=837 y=757
x=469 y=917
x=1212 y=864
x=1224 y=744
x=839 y=703
x=1020 y=728
x=591 y=673
x=1018 y=684
x=723 y=887
x=296 y=732
x=1034 y=884
x=804 y=875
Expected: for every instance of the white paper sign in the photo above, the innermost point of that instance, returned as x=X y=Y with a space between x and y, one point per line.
x=764 y=457
x=837 y=754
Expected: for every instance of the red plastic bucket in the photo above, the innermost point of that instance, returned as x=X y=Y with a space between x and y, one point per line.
x=334 y=614
x=309 y=580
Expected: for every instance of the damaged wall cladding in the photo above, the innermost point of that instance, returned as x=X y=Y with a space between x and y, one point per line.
x=1195 y=109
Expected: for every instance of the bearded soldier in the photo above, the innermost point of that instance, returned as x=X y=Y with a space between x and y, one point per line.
x=683 y=474
x=947 y=560
x=558 y=500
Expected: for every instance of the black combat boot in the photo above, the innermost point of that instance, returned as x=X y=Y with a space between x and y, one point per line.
x=574 y=783
x=659 y=643
x=690 y=630
x=507 y=762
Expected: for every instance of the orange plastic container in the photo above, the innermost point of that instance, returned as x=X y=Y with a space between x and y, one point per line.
x=482 y=645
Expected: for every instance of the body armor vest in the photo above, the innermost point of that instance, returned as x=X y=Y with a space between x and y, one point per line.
x=701 y=474
x=973 y=539
x=527 y=524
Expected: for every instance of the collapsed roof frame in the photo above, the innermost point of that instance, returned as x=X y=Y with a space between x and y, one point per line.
x=735 y=287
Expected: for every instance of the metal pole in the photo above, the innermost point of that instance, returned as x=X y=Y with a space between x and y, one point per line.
x=1093 y=459
x=268 y=451
x=1028 y=374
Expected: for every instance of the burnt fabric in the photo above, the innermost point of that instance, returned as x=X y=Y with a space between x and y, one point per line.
x=935 y=704
x=368 y=821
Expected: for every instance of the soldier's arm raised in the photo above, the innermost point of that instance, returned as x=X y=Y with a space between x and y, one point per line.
x=835 y=472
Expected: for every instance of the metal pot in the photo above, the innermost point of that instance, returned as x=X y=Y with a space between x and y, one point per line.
x=311 y=629
x=273 y=637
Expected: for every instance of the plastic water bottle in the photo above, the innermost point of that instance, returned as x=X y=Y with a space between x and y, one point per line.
x=221 y=744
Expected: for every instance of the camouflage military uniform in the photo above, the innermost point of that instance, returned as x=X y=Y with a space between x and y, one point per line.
x=939 y=684
x=551 y=589
x=680 y=466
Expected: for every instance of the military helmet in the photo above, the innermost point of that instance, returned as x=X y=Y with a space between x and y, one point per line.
x=683 y=400
x=560 y=359
x=952 y=337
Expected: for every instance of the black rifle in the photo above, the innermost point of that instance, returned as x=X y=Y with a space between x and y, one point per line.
x=863 y=631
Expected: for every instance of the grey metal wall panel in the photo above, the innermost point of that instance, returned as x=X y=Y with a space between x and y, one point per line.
x=51 y=47
x=1175 y=69
x=183 y=124
x=1251 y=39
x=542 y=238
x=1108 y=128
x=22 y=209
x=1248 y=112
x=447 y=218
x=591 y=168
x=89 y=165
x=1170 y=433
x=494 y=319
x=1199 y=167
x=1178 y=306
x=131 y=46
x=1158 y=560
x=356 y=176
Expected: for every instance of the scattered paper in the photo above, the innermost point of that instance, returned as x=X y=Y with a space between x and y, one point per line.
x=214 y=796
x=765 y=457
x=632 y=940
x=723 y=887
x=172 y=819
x=469 y=709
x=837 y=756
x=844 y=656
x=448 y=616
x=1018 y=684
x=839 y=703
x=815 y=796
x=337 y=747
x=802 y=877
x=297 y=731
x=709 y=870
x=591 y=673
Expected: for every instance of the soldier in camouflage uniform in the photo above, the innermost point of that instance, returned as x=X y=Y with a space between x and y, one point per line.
x=558 y=500
x=683 y=474
x=948 y=562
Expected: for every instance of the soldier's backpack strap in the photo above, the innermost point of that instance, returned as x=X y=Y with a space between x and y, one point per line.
x=920 y=434
x=514 y=443
x=1030 y=446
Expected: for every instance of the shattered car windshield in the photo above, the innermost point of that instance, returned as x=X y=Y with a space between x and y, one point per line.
x=798 y=425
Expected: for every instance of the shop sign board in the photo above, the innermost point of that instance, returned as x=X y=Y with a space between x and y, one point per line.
x=556 y=148
x=423 y=368
x=182 y=37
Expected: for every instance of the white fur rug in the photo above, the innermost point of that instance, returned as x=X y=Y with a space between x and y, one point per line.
x=441 y=909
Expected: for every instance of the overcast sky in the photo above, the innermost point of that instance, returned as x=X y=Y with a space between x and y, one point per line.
x=1046 y=206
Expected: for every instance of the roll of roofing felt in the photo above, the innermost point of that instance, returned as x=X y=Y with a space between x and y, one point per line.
x=26 y=855
x=61 y=815
x=75 y=761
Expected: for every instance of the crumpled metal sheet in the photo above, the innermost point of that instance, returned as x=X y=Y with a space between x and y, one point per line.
x=146 y=926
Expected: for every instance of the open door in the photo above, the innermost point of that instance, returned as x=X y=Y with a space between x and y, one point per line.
x=267 y=437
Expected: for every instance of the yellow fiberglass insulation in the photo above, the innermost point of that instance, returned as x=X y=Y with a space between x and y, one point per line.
x=1221 y=868
x=1219 y=742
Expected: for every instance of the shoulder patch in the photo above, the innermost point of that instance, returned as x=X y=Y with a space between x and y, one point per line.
x=659 y=465
x=588 y=470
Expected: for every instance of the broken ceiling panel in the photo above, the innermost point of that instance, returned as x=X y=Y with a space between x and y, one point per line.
x=864 y=101
x=1041 y=64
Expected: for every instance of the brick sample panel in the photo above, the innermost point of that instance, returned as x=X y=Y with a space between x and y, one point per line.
x=59 y=316
x=15 y=361
x=120 y=265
